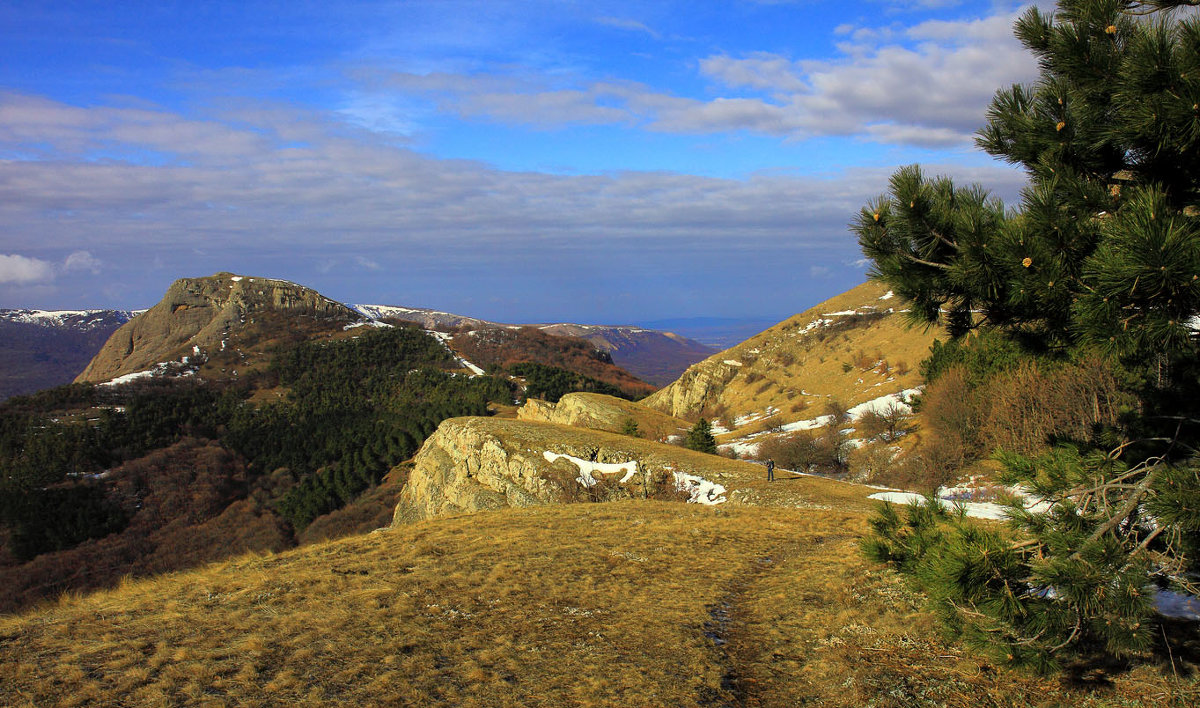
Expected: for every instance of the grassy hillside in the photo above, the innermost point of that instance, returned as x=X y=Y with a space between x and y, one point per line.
x=854 y=347
x=628 y=603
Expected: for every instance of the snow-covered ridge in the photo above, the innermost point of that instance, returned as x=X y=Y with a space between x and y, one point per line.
x=380 y=312
x=79 y=319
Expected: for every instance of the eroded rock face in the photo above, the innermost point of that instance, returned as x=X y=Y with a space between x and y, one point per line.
x=200 y=312
x=700 y=386
x=600 y=412
x=474 y=464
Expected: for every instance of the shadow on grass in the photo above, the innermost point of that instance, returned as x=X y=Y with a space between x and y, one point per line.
x=1175 y=652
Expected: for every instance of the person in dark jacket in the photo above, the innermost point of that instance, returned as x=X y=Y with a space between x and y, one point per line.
x=770 y=470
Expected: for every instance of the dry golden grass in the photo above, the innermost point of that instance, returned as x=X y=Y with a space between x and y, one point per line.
x=851 y=360
x=627 y=603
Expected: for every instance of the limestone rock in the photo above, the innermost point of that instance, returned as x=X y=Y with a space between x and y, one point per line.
x=600 y=412
x=200 y=312
x=475 y=464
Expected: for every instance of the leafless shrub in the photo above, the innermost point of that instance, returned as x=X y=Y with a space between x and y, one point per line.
x=1032 y=404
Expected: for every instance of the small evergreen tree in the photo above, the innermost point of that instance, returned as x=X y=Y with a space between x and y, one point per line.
x=1102 y=253
x=700 y=438
x=629 y=427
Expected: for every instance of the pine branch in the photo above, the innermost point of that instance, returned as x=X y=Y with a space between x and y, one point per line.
x=1125 y=510
x=923 y=262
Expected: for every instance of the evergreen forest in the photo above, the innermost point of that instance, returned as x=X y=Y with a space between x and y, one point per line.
x=353 y=410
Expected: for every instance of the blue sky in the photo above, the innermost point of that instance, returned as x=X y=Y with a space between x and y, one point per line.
x=519 y=161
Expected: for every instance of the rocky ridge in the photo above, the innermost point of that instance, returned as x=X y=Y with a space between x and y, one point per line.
x=476 y=464
x=600 y=412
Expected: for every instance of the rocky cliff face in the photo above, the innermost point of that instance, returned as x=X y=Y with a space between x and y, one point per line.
x=474 y=464
x=200 y=312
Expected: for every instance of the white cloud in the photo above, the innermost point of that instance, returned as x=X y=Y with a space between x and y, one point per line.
x=927 y=84
x=629 y=25
x=82 y=260
x=16 y=269
x=356 y=198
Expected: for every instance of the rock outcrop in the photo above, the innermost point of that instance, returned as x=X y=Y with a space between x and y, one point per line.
x=200 y=313
x=474 y=464
x=600 y=412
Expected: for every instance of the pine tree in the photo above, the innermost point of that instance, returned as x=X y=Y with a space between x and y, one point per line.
x=629 y=427
x=700 y=438
x=1102 y=253
x=1105 y=246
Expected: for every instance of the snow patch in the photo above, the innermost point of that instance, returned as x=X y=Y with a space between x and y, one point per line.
x=471 y=367
x=1173 y=604
x=887 y=296
x=587 y=468
x=978 y=510
x=165 y=368
x=700 y=490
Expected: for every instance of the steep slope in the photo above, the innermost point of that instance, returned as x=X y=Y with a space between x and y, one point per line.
x=197 y=314
x=600 y=412
x=652 y=355
x=505 y=346
x=657 y=357
x=45 y=348
x=854 y=348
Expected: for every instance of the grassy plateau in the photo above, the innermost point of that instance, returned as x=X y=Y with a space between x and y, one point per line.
x=763 y=601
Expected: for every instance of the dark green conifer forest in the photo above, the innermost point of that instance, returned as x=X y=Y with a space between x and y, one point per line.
x=355 y=408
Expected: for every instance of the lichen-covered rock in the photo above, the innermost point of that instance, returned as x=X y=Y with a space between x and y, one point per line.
x=200 y=312
x=474 y=464
x=601 y=412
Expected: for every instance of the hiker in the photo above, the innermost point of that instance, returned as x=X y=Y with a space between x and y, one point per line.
x=770 y=470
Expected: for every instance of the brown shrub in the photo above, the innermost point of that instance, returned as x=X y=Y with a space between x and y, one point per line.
x=1032 y=404
x=952 y=412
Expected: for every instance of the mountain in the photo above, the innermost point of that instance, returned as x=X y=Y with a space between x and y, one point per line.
x=45 y=348
x=197 y=315
x=508 y=347
x=655 y=356
x=854 y=348
x=714 y=332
